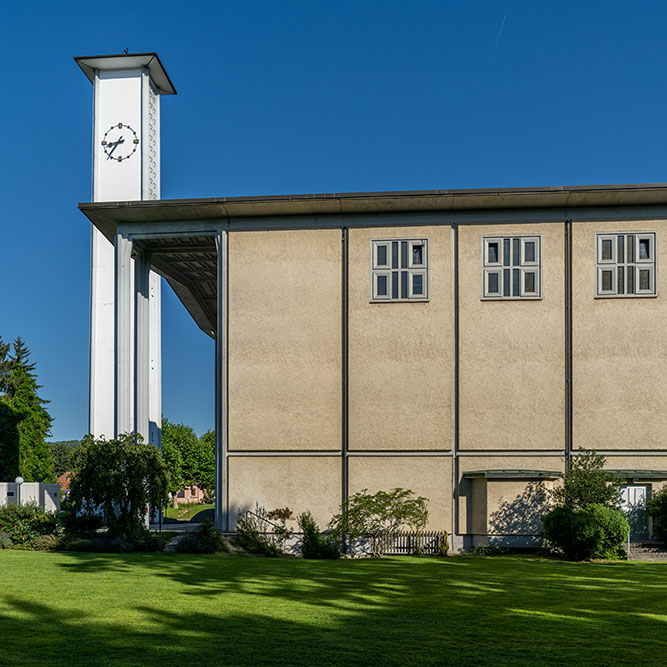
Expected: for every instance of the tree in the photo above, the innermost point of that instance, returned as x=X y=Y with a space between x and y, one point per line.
x=63 y=452
x=657 y=508
x=366 y=515
x=207 y=473
x=173 y=461
x=587 y=482
x=24 y=421
x=197 y=455
x=121 y=477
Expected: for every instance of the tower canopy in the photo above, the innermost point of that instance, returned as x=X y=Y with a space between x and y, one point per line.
x=121 y=61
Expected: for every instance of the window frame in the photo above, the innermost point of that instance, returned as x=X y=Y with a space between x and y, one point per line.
x=649 y=264
x=523 y=266
x=411 y=269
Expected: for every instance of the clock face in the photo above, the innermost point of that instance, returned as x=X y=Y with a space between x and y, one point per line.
x=120 y=142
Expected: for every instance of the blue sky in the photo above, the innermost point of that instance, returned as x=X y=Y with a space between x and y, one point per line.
x=293 y=97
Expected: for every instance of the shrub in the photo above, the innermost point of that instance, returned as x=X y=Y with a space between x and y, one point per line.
x=657 y=508
x=595 y=532
x=5 y=541
x=314 y=544
x=206 y=539
x=23 y=524
x=81 y=525
x=48 y=543
x=255 y=533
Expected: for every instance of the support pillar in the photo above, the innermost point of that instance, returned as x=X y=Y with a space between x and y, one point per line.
x=124 y=347
x=142 y=337
x=222 y=518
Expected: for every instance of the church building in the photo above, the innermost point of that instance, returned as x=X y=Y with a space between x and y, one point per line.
x=465 y=344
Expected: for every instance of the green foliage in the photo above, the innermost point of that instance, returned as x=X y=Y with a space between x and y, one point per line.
x=121 y=477
x=24 y=421
x=366 y=515
x=256 y=533
x=48 y=543
x=657 y=508
x=190 y=460
x=206 y=539
x=24 y=524
x=595 y=532
x=63 y=455
x=5 y=541
x=314 y=544
x=587 y=482
x=81 y=525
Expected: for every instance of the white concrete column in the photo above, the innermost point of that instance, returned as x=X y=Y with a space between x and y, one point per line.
x=142 y=267
x=222 y=518
x=124 y=342
x=155 y=371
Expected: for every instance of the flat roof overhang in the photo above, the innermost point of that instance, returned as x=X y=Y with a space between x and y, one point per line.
x=512 y=474
x=640 y=475
x=272 y=210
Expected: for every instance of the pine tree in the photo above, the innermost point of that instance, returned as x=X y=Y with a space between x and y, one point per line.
x=24 y=421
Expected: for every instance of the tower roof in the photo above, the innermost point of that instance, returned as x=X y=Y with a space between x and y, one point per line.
x=121 y=61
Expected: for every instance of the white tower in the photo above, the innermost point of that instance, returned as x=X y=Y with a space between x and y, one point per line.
x=126 y=167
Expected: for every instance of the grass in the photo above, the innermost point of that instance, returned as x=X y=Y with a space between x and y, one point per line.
x=98 y=609
x=185 y=512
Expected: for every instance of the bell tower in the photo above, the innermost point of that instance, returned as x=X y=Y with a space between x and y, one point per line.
x=126 y=167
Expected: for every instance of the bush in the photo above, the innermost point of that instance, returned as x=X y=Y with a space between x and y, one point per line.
x=657 y=508
x=82 y=525
x=5 y=541
x=206 y=539
x=252 y=535
x=48 y=543
x=595 y=532
x=314 y=544
x=23 y=524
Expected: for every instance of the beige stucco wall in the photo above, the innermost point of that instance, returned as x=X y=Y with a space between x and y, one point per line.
x=491 y=506
x=285 y=340
x=400 y=377
x=619 y=352
x=512 y=353
x=303 y=483
x=425 y=475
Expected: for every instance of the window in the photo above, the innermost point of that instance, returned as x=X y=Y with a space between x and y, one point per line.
x=512 y=267
x=399 y=270
x=625 y=264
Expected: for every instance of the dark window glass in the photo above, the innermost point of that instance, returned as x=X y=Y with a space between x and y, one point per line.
x=621 y=286
x=606 y=249
x=631 y=248
x=607 y=281
x=516 y=277
x=418 y=254
x=382 y=286
x=418 y=284
x=506 y=252
x=493 y=283
x=529 y=251
x=404 y=254
x=516 y=256
x=630 y=280
x=644 y=279
x=644 y=249
x=529 y=282
x=621 y=247
x=506 y=282
x=493 y=253
x=382 y=255
x=404 y=284
x=394 y=255
x=394 y=284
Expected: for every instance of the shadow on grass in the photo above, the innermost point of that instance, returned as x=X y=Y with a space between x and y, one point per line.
x=247 y=610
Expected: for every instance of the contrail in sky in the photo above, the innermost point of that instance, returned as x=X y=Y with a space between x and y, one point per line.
x=500 y=33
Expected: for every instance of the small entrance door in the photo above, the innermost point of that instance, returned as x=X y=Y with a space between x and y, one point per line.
x=633 y=504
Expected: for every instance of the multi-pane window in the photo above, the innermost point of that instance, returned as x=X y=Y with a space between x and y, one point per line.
x=512 y=267
x=625 y=264
x=399 y=270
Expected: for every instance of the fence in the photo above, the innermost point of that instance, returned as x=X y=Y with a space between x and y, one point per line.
x=405 y=543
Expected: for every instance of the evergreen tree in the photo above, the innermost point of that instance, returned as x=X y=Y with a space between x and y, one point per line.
x=24 y=421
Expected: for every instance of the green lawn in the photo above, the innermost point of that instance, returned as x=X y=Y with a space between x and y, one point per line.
x=93 y=609
x=185 y=512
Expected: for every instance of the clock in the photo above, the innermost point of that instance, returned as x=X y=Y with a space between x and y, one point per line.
x=120 y=142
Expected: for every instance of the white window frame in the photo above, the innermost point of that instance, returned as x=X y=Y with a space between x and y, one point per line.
x=533 y=266
x=411 y=269
x=635 y=266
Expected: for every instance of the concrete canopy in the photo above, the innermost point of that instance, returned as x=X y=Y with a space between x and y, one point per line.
x=188 y=263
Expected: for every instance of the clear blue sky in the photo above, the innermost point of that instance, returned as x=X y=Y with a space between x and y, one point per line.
x=293 y=97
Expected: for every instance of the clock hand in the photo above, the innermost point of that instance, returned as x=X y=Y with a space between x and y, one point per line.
x=115 y=145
